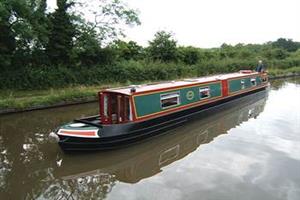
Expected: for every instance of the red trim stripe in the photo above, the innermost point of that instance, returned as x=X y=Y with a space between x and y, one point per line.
x=81 y=133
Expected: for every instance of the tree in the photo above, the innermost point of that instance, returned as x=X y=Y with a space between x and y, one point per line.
x=227 y=51
x=106 y=17
x=10 y=13
x=128 y=50
x=286 y=44
x=92 y=35
x=23 y=29
x=62 y=32
x=29 y=35
x=190 y=55
x=7 y=41
x=276 y=53
x=163 y=47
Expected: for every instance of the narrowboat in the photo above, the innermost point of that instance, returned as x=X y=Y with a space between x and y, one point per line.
x=130 y=114
x=144 y=160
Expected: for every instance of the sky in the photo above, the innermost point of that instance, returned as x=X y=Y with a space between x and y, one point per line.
x=210 y=23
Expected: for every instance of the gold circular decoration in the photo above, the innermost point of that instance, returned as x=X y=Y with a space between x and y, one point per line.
x=190 y=95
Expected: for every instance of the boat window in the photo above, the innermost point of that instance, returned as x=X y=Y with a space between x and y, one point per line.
x=243 y=84
x=253 y=81
x=127 y=109
x=204 y=92
x=105 y=106
x=169 y=100
x=114 y=109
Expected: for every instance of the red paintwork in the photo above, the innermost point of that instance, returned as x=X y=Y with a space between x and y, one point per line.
x=225 y=88
x=121 y=102
x=81 y=133
x=104 y=119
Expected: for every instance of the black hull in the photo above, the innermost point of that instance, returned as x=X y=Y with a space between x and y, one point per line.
x=122 y=135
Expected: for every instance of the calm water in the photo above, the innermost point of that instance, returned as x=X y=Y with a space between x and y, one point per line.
x=250 y=151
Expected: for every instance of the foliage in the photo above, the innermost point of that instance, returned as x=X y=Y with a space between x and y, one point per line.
x=41 y=49
x=190 y=55
x=61 y=34
x=128 y=50
x=163 y=47
x=109 y=17
x=284 y=72
x=30 y=35
x=286 y=44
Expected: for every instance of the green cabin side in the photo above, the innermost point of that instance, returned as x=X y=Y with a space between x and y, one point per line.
x=153 y=103
x=244 y=83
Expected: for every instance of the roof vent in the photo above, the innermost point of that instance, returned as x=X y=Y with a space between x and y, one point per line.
x=133 y=90
x=245 y=71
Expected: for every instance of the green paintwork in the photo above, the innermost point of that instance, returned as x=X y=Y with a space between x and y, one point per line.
x=235 y=85
x=258 y=80
x=150 y=103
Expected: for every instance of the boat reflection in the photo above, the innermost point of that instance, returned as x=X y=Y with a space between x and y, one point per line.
x=144 y=160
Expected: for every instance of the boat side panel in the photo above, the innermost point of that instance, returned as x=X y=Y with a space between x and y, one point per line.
x=150 y=103
x=258 y=80
x=235 y=85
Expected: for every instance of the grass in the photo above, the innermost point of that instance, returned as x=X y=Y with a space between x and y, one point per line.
x=19 y=100
x=283 y=72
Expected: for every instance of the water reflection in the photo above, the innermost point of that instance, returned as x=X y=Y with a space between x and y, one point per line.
x=279 y=83
x=26 y=157
x=40 y=170
x=32 y=168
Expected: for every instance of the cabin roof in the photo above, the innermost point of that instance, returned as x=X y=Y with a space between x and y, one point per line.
x=178 y=83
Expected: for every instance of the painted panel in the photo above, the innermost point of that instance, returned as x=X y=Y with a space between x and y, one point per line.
x=235 y=84
x=150 y=103
x=258 y=80
x=248 y=83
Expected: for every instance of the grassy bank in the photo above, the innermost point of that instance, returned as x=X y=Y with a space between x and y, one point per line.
x=14 y=100
x=275 y=73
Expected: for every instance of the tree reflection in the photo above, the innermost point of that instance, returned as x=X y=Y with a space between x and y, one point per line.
x=32 y=168
x=88 y=187
x=26 y=157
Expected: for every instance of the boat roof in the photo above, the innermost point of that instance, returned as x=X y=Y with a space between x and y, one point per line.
x=177 y=83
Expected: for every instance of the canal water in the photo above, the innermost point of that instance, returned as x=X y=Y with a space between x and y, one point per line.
x=248 y=151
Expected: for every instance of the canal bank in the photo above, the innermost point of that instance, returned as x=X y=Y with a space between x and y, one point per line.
x=22 y=101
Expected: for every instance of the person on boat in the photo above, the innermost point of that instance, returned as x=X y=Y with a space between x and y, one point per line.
x=260 y=66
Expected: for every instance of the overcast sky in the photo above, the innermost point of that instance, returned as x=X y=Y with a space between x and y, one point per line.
x=210 y=23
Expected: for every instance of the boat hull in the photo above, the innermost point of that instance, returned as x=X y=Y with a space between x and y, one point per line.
x=122 y=135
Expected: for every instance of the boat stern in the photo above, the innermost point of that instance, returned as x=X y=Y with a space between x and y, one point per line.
x=76 y=136
x=79 y=130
